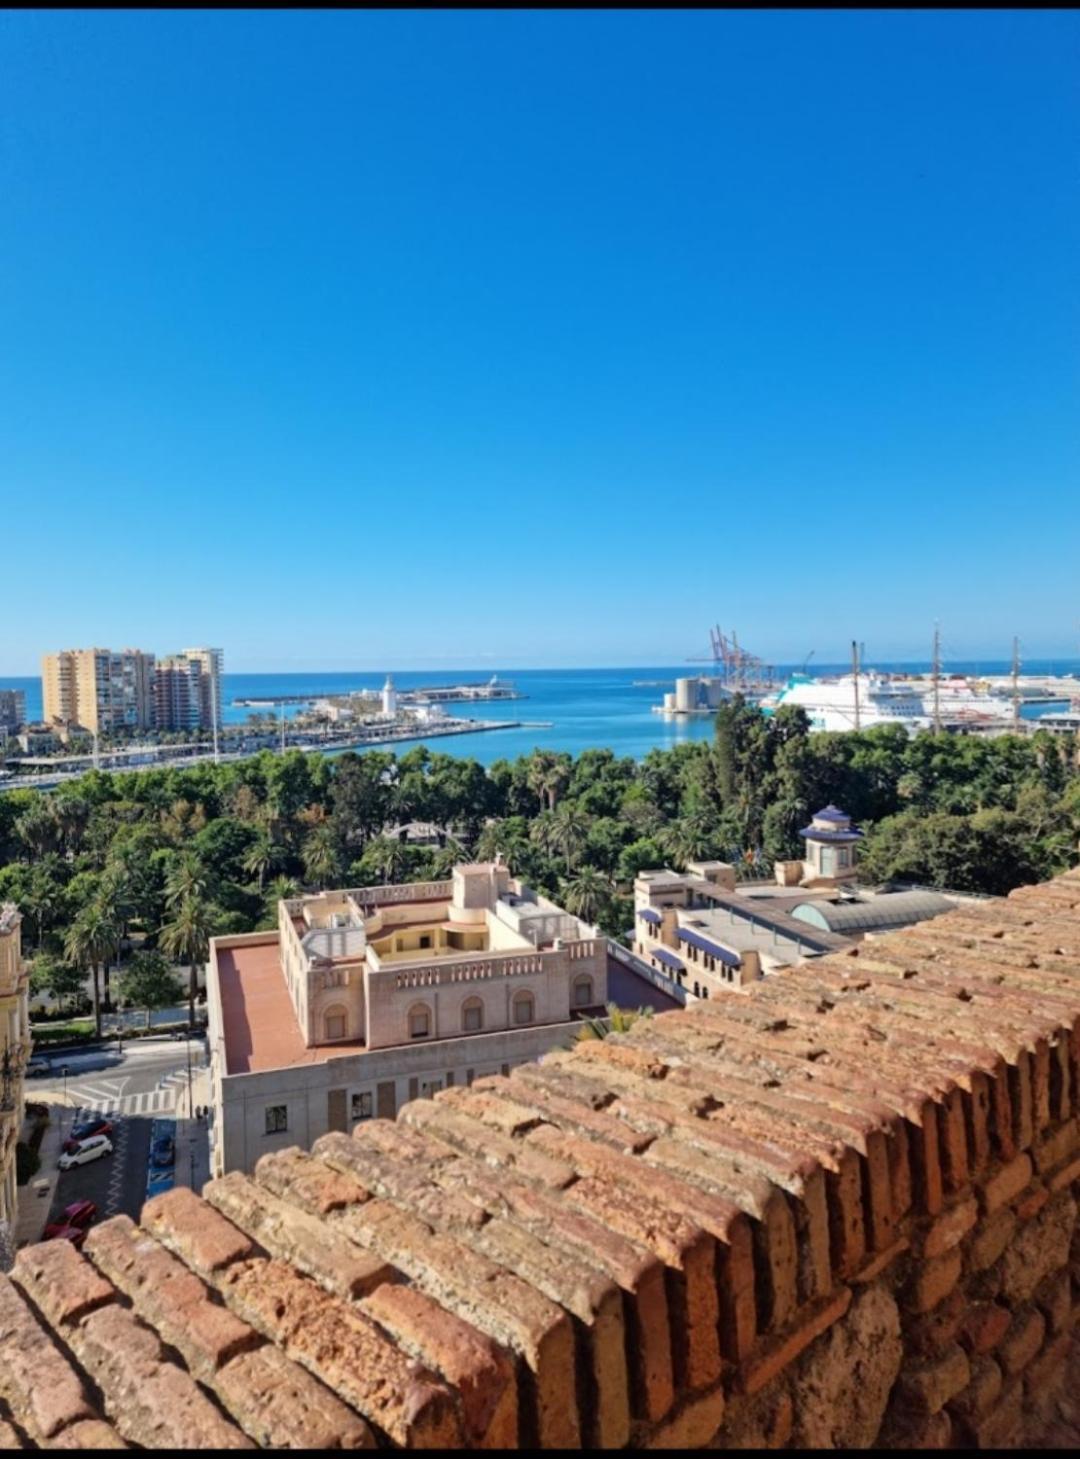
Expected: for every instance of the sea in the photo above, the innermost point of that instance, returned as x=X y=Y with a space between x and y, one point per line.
x=561 y=709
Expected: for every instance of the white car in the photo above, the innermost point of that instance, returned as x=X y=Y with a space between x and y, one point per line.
x=92 y=1149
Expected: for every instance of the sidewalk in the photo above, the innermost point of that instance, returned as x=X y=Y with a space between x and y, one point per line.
x=35 y=1198
x=193 y=1136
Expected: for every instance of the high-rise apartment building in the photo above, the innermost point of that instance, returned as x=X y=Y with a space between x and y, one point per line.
x=178 y=693
x=98 y=689
x=212 y=664
x=105 y=691
x=12 y=709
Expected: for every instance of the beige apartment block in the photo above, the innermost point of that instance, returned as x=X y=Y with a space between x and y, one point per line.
x=101 y=690
x=14 y=1052
x=211 y=662
x=366 y=998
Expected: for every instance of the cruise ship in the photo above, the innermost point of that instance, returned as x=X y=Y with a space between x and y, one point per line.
x=961 y=699
x=853 y=701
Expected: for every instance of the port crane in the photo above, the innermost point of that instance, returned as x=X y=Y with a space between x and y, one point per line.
x=741 y=671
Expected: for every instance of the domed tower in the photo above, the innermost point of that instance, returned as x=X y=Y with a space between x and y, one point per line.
x=389 y=699
x=831 y=840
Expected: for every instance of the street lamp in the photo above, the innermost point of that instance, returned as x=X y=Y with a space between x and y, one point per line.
x=63 y=1071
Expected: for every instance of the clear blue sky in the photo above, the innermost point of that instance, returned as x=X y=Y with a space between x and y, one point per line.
x=419 y=339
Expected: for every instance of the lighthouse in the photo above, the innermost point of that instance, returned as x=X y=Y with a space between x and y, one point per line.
x=389 y=699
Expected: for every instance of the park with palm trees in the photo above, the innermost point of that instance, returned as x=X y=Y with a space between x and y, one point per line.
x=123 y=880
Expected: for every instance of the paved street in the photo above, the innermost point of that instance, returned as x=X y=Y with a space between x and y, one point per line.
x=140 y=1092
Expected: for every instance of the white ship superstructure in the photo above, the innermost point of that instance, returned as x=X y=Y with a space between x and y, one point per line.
x=853 y=701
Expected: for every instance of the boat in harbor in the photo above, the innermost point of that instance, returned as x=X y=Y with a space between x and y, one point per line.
x=851 y=701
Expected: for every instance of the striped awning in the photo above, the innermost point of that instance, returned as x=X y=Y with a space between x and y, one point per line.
x=668 y=959
x=695 y=939
x=648 y=915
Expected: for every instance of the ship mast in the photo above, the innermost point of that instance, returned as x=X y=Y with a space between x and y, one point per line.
x=937 y=679
x=1016 y=684
x=855 y=674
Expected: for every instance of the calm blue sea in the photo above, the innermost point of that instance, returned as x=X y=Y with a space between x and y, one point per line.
x=586 y=708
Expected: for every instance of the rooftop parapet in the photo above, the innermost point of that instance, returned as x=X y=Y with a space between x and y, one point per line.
x=837 y=1212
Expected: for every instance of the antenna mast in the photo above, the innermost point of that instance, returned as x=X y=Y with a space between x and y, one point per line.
x=855 y=674
x=937 y=679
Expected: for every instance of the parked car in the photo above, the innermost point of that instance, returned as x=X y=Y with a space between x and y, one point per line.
x=58 y=1232
x=37 y=1066
x=79 y=1213
x=85 y=1151
x=84 y=1130
x=163 y=1152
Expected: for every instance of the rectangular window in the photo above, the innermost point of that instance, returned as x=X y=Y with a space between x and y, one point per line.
x=418 y=1025
x=363 y=1107
x=474 y=1020
x=277 y=1118
x=335 y=1026
x=425 y=939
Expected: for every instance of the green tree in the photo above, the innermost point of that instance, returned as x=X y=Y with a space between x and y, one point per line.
x=262 y=856
x=57 y=978
x=587 y=893
x=320 y=856
x=187 y=938
x=149 y=982
x=619 y=1020
x=89 y=942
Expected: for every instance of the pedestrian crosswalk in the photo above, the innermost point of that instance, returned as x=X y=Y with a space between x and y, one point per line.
x=104 y=1097
x=149 y=1102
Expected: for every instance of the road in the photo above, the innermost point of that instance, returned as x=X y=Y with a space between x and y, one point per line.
x=138 y=1092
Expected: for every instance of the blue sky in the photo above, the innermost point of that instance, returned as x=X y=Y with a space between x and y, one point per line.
x=346 y=340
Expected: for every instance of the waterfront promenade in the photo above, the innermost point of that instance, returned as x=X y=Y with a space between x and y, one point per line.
x=146 y=758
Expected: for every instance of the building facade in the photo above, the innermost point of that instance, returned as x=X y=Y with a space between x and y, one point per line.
x=178 y=693
x=12 y=710
x=14 y=1052
x=108 y=693
x=211 y=662
x=103 y=691
x=369 y=997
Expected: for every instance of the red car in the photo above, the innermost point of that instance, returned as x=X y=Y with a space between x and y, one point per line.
x=72 y=1225
x=75 y=1234
x=84 y=1131
x=79 y=1213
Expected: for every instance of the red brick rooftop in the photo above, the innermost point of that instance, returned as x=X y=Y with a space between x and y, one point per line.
x=838 y=1210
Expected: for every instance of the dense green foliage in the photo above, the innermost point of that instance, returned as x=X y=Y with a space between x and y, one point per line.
x=169 y=858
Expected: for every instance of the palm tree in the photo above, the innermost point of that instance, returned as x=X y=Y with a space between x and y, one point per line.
x=187 y=938
x=89 y=941
x=37 y=829
x=385 y=854
x=116 y=899
x=687 y=839
x=188 y=878
x=72 y=816
x=262 y=856
x=320 y=855
x=621 y=1020
x=280 y=889
x=587 y=893
x=548 y=776
x=569 y=831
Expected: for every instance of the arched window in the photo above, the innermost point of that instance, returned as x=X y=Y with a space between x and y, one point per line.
x=472 y=1015
x=583 y=992
x=335 y=1022
x=419 y=1021
x=524 y=1008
